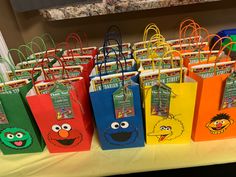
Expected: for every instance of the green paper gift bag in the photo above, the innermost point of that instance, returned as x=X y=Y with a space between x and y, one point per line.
x=18 y=130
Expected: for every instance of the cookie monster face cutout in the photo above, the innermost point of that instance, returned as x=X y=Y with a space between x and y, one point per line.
x=16 y=138
x=121 y=133
x=64 y=136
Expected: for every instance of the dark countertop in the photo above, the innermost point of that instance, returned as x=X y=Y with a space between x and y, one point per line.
x=111 y=6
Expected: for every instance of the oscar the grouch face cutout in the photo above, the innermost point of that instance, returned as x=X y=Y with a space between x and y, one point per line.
x=16 y=138
x=219 y=123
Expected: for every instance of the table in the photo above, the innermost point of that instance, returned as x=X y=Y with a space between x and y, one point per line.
x=100 y=163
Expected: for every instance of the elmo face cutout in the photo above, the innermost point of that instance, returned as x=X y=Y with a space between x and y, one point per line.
x=64 y=135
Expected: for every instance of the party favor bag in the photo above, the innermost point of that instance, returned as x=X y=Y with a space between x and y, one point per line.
x=118 y=114
x=215 y=110
x=169 y=101
x=18 y=130
x=62 y=112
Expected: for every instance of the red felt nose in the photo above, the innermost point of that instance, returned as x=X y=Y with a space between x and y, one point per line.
x=219 y=125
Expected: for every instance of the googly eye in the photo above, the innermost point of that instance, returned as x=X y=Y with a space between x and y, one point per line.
x=56 y=128
x=124 y=124
x=168 y=128
x=216 y=122
x=115 y=125
x=222 y=121
x=19 y=135
x=162 y=127
x=66 y=127
x=10 y=136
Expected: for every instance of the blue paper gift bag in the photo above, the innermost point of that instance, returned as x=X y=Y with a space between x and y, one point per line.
x=117 y=133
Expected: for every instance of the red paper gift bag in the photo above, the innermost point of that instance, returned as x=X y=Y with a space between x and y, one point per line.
x=61 y=133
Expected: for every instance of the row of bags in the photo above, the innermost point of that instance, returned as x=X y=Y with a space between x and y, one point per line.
x=186 y=87
x=47 y=100
x=59 y=101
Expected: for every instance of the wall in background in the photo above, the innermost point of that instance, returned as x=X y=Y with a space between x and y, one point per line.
x=214 y=16
x=9 y=26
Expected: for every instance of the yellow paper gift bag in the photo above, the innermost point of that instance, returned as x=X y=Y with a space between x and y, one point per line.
x=176 y=127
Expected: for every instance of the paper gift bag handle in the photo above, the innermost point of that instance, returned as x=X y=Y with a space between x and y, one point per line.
x=19 y=54
x=12 y=68
x=196 y=32
x=38 y=38
x=183 y=34
x=208 y=38
x=188 y=22
x=66 y=47
x=122 y=71
x=113 y=33
x=46 y=36
x=117 y=59
x=152 y=53
x=172 y=52
x=76 y=38
x=3 y=81
x=158 y=40
x=39 y=49
x=219 y=53
x=214 y=45
x=200 y=46
x=147 y=30
x=28 y=51
x=42 y=65
x=223 y=48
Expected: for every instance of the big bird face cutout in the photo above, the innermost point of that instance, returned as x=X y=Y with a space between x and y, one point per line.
x=219 y=123
x=168 y=128
x=64 y=135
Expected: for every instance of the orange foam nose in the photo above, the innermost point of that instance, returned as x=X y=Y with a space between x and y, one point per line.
x=63 y=133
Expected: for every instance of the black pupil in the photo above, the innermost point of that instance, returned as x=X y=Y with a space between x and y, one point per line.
x=116 y=125
x=122 y=124
x=57 y=128
x=65 y=127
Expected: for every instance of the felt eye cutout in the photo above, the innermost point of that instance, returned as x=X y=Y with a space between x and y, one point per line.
x=115 y=125
x=56 y=128
x=66 y=127
x=162 y=127
x=19 y=135
x=10 y=136
x=124 y=124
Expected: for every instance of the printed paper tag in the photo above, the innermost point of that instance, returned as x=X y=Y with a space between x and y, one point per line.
x=171 y=76
x=12 y=86
x=208 y=70
x=61 y=101
x=71 y=71
x=3 y=117
x=111 y=48
x=229 y=96
x=123 y=103
x=45 y=87
x=166 y=64
x=112 y=81
x=113 y=57
x=160 y=100
x=113 y=67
